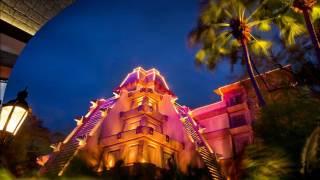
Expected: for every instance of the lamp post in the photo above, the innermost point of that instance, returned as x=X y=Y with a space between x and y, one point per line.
x=12 y=116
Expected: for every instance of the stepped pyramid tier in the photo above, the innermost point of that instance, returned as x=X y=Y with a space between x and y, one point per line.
x=143 y=123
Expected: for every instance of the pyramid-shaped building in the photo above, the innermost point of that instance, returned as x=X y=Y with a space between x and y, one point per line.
x=143 y=123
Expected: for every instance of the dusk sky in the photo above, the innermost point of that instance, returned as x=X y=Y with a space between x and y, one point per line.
x=88 y=49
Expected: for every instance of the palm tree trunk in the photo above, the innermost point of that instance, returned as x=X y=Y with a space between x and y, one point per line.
x=312 y=33
x=261 y=77
x=250 y=72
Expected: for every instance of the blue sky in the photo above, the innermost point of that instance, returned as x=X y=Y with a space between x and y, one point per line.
x=87 y=50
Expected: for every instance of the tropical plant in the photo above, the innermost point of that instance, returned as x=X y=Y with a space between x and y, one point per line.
x=290 y=21
x=305 y=7
x=30 y=142
x=263 y=162
x=286 y=123
x=224 y=29
x=5 y=174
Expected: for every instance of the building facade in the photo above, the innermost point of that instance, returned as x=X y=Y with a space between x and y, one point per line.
x=143 y=123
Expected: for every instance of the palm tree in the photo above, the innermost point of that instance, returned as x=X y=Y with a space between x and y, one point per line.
x=305 y=7
x=290 y=21
x=222 y=33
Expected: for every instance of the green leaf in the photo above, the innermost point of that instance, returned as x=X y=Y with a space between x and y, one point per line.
x=200 y=56
x=223 y=38
x=287 y=19
x=261 y=47
x=315 y=13
x=208 y=35
x=264 y=26
x=290 y=29
x=234 y=43
x=210 y=14
x=294 y=31
x=223 y=51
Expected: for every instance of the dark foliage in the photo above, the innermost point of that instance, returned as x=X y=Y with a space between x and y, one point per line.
x=20 y=153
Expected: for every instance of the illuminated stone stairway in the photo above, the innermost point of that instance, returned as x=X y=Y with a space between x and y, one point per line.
x=64 y=153
x=191 y=127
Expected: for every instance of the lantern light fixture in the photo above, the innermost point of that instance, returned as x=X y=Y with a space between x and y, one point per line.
x=12 y=115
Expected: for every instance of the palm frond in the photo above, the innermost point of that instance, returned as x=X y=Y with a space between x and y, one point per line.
x=242 y=11
x=233 y=6
x=221 y=25
x=210 y=14
x=290 y=29
x=193 y=37
x=208 y=36
x=237 y=8
x=227 y=13
x=257 y=9
x=234 y=43
x=223 y=39
x=259 y=47
x=201 y=34
x=295 y=31
x=315 y=14
x=261 y=162
x=200 y=55
x=264 y=26
x=257 y=22
x=212 y=60
x=223 y=51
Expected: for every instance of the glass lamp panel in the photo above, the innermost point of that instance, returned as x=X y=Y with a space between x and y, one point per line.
x=15 y=119
x=4 y=114
x=21 y=122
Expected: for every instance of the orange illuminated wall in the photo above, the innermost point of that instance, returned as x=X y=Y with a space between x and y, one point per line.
x=143 y=125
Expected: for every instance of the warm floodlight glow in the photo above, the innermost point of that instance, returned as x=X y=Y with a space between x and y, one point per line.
x=94 y=104
x=79 y=121
x=82 y=141
x=116 y=95
x=103 y=112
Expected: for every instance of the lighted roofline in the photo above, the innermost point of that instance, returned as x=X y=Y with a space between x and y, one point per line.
x=219 y=92
x=139 y=68
x=203 y=108
x=212 y=104
x=145 y=72
x=125 y=79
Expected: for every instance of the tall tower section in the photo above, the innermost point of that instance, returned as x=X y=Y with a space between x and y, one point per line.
x=143 y=126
